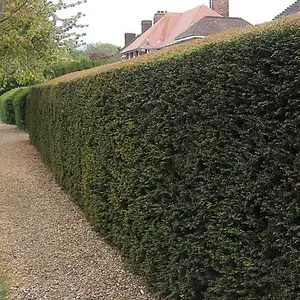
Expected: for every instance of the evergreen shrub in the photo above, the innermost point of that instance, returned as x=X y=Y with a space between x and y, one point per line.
x=19 y=104
x=13 y=107
x=7 y=114
x=188 y=160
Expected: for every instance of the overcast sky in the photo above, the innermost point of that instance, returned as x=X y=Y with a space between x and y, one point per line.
x=108 y=20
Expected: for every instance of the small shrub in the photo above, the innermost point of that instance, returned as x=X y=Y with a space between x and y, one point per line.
x=7 y=113
x=19 y=103
x=13 y=107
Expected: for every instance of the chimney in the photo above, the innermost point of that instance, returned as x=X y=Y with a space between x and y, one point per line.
x=129 y=38
x=146 y=24
x=158 y=16
x=220 y=6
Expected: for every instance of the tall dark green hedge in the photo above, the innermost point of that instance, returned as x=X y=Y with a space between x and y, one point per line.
x=189 y=161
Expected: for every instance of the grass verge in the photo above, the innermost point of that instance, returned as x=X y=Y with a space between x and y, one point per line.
x=2 y=291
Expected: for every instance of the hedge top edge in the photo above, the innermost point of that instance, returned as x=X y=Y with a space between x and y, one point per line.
x=183 y=49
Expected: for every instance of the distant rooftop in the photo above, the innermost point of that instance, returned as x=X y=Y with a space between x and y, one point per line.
x=210 y=25
x=292 y=9
x=164 y=32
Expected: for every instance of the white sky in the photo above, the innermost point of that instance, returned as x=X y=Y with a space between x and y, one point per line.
x=108 y=20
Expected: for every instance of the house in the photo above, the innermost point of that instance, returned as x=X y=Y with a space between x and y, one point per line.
x=292 y=9
x=210 y=25
x=171 y=28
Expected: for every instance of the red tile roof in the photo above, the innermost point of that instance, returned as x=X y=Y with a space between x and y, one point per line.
x=164 y=32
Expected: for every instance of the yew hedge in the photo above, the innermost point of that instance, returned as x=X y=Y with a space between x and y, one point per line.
x=13 y=107
x=188 y=161
x=7 y=114
x=19 y=104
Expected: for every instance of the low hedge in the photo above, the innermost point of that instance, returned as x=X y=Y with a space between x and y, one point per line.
x=19 y=104
x=13 y=107
x=7 y=114
x=188 y=160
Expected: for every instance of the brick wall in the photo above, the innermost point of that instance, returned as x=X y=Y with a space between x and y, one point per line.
x=146 y=24
x=221 y=7
x=129 y=38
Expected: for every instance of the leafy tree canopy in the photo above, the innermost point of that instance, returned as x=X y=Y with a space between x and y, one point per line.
x=96 y=50
x=33 y=35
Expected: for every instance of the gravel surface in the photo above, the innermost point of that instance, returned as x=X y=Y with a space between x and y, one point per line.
x=47 y=248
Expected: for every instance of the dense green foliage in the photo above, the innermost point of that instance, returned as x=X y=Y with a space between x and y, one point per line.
x=13 y=107
x=90 y=49
x=188 y=161
x=9 y=84
x=34 y=34
x=7 y=113
x=19 y=104
x=63 y=68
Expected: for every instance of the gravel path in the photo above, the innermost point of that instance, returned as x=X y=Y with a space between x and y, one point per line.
x=47 y=249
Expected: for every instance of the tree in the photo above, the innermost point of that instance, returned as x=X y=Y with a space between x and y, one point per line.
x=32 y=35
x=96 y=50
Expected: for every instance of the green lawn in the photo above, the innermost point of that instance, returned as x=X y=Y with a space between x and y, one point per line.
x=2 y=291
